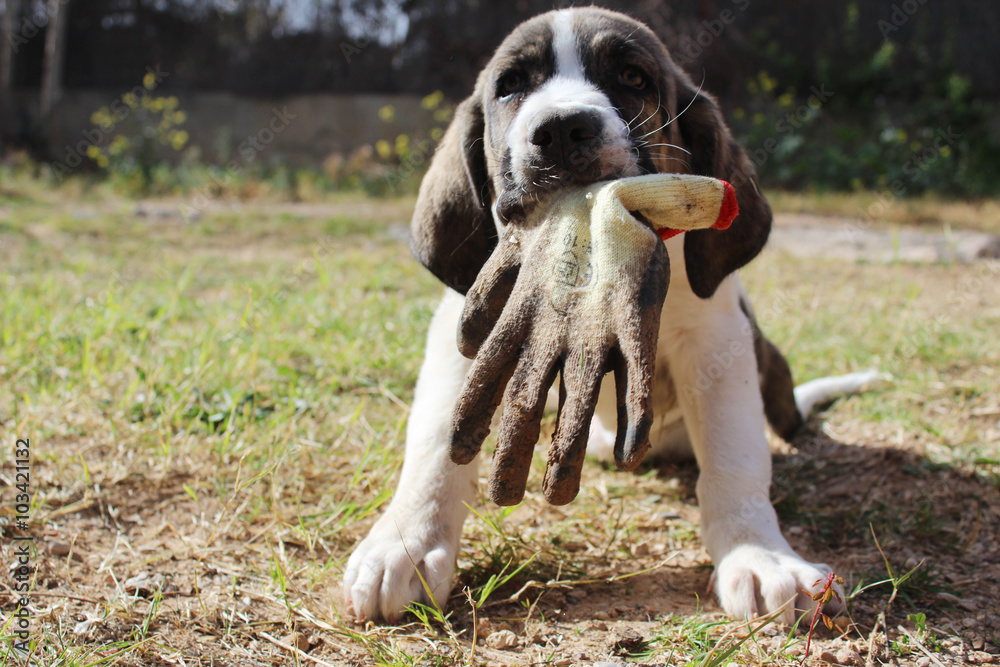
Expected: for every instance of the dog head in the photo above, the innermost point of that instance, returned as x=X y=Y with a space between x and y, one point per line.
x=578 y=95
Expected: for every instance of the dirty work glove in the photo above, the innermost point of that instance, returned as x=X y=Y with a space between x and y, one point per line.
x=576 y=287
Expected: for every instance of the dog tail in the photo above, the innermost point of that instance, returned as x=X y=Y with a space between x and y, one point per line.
x=823 y=390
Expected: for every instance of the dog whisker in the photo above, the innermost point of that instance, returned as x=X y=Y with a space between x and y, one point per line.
x=641 y=109
x=680 y=148
x=658 y=106
x=697 y=93
x=669 y=159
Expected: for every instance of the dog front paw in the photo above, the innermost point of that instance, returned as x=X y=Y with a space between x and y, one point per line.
x=753 y=581
x=402 y=560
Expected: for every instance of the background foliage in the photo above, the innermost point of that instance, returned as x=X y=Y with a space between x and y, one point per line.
x=901 y=73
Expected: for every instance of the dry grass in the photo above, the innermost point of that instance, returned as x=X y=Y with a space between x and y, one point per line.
x=216 y=412
x=884 y=209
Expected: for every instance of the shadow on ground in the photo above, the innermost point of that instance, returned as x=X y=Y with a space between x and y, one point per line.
x=864 y=510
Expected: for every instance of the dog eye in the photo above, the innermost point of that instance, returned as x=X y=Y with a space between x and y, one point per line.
x=633 y=78
x=510 y=83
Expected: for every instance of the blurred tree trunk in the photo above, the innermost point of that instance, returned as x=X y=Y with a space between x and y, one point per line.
x=7 y=53
x=55 y=45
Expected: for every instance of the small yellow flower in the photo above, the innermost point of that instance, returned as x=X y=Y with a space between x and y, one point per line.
x=178 y=139
x=437 y=133
x=118 y=146
x=387 y=113
x=758 y=118
x=767 y=82
x=130 y=100
x=402 y=144
x=383 y=149
x=442 y=115
x=179 y=117
x=739 y=112
x=149 y=81
x=945 y=151
x=93 y=152
x=432 y=101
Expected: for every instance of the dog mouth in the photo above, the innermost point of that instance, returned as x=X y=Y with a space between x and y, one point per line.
x=523 y=185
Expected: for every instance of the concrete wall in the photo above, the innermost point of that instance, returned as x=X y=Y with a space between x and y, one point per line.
x=302 y=130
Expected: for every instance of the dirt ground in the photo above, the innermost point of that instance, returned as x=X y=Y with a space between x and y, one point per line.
x=828 y=488
x=151 y=568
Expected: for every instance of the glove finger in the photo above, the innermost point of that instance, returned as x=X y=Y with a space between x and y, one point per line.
x=524 y=405
x=638 y=327
x=486 y=299
x=472 y=417
x=484 y=384
x=634 y=387
x=580 y=384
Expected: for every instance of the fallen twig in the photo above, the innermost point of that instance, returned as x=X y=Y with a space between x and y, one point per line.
x=296 y=652
x=826 y=593
x=557 y=583
x=920 y=645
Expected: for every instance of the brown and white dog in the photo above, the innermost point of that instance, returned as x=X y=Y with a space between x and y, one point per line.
x=582 y=95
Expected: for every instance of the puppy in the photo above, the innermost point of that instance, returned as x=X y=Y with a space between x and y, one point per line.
x=582 y=95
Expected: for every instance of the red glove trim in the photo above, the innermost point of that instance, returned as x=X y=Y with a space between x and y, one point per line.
x=730 y=207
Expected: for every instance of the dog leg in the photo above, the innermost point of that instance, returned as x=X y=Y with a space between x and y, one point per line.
x=422 y=527
x=711 y=356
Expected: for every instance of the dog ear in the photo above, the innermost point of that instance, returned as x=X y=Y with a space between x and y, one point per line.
x=452 y=231
x=710 y=254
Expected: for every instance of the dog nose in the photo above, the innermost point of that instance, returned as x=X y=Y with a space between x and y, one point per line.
x=566 y=137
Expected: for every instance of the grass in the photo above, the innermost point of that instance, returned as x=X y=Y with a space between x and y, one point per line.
x=221 y=403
